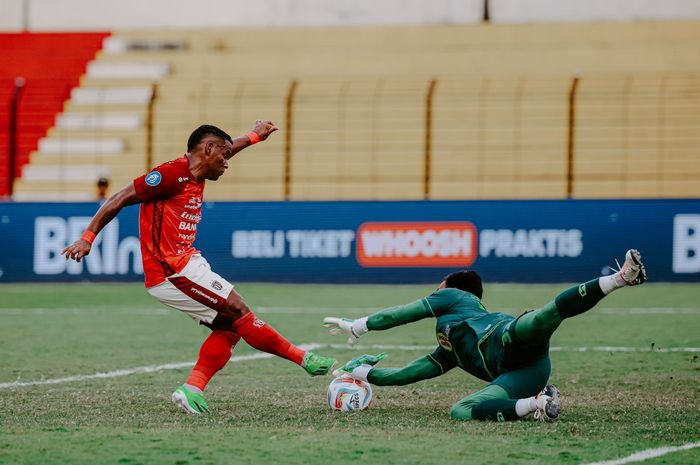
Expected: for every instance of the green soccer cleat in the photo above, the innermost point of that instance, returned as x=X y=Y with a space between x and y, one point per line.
x=365 y=359
x=316 y=365
x=190 y=402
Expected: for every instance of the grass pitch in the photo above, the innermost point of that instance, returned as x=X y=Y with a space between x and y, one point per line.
x=639 y=392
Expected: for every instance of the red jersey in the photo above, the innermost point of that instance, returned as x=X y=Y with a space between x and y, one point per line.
x=171 y=208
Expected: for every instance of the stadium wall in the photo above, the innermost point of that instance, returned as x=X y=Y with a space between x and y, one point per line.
x=373 y=242
x=12 y=17
x=50 y=15
x=526 y=11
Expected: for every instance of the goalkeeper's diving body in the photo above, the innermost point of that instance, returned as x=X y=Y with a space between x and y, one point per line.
x=511 y=354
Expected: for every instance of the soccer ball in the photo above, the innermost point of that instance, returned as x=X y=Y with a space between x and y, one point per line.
x=347 y=394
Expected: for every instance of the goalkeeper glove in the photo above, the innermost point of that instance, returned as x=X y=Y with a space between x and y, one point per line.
x=353 y=328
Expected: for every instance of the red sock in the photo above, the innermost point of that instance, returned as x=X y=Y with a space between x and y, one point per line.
x=213 y=355
x=263 y=337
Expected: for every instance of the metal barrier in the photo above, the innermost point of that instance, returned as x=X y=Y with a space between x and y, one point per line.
x=468 y=137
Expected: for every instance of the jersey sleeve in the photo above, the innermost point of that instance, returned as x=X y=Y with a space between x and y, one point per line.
x=439 y=302
x=442 y=360
x=395 y=316
x=161 y=183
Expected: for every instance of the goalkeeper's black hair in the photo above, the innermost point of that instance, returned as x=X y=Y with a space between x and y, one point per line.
x=204 y=131
x=468 y=281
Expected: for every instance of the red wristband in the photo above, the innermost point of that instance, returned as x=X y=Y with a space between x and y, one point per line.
x=254 y=137
x=88 y=236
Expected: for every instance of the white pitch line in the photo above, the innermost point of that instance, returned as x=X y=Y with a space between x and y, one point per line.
x=329 y=311
x=552 y=349
x=623 y=349
x=119 y=373
x=310 y=346
x=647 y=454
x=84 y=311
x=133 y=371
x=648 y=310
x=163 y=311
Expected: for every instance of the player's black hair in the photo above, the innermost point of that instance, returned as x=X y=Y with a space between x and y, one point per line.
x=469 y=281
x=204 y=131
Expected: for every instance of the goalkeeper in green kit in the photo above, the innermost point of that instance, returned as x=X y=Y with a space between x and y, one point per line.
x=511 y=354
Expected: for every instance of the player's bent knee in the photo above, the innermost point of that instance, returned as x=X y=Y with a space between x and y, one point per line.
x=461 y=412
x=234 y=308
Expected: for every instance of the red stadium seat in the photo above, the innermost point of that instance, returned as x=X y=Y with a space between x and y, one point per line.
x=51 y=65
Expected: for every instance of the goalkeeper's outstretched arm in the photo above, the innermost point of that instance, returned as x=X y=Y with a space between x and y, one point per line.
x=417 y=370
x=397 y=316
x=383 y=319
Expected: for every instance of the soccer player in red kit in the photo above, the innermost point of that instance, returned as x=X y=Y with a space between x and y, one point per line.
x=176 y=273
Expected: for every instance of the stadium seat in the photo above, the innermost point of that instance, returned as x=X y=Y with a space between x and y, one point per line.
x=49 y=65
x=499 y=108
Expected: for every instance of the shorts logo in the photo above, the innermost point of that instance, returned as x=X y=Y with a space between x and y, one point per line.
x=217 y=285
x=417 y=244
x=213 y=300
x=444 y=341
x=153 y=178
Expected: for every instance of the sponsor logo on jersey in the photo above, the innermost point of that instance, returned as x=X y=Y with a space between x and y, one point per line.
x=181 y=179
x=444 y=341
x=417 y=244
x=153 y=178
x=217 y=285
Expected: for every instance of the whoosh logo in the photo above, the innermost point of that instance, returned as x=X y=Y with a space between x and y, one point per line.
x=443 y=244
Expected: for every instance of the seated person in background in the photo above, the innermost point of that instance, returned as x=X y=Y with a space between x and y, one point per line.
x=102 y=188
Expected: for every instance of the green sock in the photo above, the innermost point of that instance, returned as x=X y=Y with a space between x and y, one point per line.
x=496 y=410
x=579 y=299
x=536 y=327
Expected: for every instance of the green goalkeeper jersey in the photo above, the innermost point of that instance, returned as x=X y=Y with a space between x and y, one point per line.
x=462 y=330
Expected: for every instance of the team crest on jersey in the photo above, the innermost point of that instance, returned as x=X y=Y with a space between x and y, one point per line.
x=444 y=341
x=217 y=285
x=153 y=178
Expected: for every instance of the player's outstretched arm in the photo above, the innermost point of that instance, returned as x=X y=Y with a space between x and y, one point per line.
x=363 y=368
x=383 y=319
x=261 y=131
x=104 y=215
x=417 y=370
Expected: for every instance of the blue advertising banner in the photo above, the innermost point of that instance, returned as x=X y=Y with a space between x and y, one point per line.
x=373 y=242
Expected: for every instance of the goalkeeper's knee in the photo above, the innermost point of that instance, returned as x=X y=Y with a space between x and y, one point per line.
x=461 y=412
